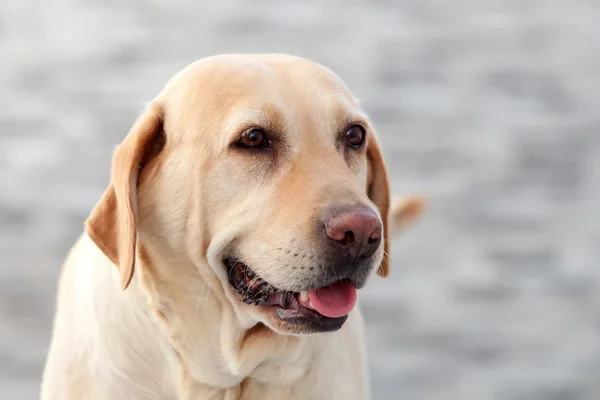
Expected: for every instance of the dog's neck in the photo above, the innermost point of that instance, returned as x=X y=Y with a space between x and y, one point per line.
x=209 y=346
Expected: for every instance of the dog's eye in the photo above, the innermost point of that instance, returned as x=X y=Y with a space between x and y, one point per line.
x=355 y=136
x=253 y=139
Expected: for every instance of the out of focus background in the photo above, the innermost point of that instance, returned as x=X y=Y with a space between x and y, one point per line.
x=491 y=108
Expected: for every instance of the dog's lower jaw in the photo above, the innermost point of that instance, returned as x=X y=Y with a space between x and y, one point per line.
x=288 y=312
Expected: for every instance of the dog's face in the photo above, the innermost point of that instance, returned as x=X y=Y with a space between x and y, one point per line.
x=264 y=174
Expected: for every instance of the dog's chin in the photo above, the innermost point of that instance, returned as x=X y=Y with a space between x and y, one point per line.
x=319 y=309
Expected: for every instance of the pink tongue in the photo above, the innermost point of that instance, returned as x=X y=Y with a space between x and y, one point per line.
x=334 y=301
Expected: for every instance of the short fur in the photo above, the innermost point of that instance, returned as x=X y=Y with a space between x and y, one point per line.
x=145 y=309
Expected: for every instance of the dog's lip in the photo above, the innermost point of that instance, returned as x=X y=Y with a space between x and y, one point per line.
x=229 y=262
x=288 y=306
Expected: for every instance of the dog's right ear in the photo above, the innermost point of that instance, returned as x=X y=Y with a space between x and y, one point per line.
x=112 y=225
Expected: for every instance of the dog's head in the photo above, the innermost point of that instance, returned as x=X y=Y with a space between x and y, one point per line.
x=264 y=174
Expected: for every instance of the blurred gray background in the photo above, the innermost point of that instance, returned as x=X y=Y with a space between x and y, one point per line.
x=488 y=107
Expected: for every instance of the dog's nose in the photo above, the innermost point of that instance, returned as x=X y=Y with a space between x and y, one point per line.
x=356 y=230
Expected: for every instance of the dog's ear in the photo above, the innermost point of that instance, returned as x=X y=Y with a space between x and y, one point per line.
x=112 y=223
x=378 y=190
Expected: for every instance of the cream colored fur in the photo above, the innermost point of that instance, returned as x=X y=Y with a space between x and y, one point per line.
x=145 y=310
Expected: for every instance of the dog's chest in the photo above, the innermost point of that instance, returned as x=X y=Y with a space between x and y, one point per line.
x=249 y=389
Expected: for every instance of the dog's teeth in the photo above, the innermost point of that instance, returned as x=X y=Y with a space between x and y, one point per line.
x=304 y=296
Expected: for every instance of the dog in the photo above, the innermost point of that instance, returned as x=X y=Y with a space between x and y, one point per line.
x=250 y=201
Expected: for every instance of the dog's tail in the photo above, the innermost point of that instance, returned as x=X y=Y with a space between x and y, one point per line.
x=405 y=211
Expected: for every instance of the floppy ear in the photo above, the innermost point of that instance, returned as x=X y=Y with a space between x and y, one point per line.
x=378 y=190
x=112 y=223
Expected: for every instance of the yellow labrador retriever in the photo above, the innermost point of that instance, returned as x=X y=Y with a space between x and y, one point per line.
x=250 y=201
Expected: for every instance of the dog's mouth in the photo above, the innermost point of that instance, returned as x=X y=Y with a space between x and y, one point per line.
x=323 y=309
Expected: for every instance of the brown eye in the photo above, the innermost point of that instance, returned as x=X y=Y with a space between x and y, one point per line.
x=253 y=139
x=355 y=136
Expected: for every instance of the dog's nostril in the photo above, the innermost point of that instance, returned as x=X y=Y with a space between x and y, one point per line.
x=348 y=237
x=375 y=236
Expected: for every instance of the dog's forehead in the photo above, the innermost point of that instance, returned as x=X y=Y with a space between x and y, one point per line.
x=236 y=89
x=240 y=71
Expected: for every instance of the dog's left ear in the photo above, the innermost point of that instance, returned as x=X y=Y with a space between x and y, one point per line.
x=378 y=190
x=401 y=213
x=112 y=225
